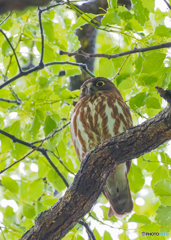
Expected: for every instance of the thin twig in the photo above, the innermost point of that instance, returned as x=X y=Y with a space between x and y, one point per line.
x=53 y=133
x=10 y=101
x=61 y=162
x=88 y=229
x=5 y=18
x=12 y=49
x=39 y=67
x=167 y=4
x=136 y=50
x=19 y=160
x=120 y=69
x=42 y=36
x=55 y=168
x=82 y=65
x=48 y=8
x=38 y=148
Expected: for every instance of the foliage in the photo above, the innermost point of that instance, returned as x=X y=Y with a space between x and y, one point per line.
x=33 y=185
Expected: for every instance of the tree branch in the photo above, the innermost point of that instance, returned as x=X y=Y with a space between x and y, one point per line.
x=135 y=50
x=167 y=4
x=10 y=101
x=42 y=37
x=12 y=49
x=11 y=5
x=5 y=18
x=50 y=7
x=96 y=166
x=53 y=132
x=39 y=67
x=88 y=229
x=43 y=151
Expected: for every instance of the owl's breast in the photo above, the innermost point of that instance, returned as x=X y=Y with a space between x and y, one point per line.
x=95 y=119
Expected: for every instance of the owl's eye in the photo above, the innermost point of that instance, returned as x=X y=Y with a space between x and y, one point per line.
x=82 y=89
x=100 y=83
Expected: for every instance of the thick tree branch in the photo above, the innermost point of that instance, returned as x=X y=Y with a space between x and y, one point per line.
x=135 y=50
x=45 y=154
x=87 y=37
x=11 y=5
x=96 y=166
x=166 y=94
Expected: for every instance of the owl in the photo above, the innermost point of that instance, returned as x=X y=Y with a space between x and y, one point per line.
x=99 y=114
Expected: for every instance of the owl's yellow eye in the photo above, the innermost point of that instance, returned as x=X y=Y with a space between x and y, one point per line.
x=100 y=83
x=82 y=89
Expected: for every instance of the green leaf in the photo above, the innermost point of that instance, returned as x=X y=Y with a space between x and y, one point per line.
x=112 y=17
x=107 y=236
x=125 y=84
x=125 y=15
x=35 y=126
x=82 y=20
x=9 y=211
x=72 y=72
x=165 y=200
x=138 y=100
x=10 y=184
x=153 y=62
x=162 y=31
x=152 y=102
x=35 y=189
x=136 y=178
x=50 y=124
x=43 y=81
x=97 y=235
x=28 y=211
x=163 y=188
x=149 y=228
x=6 y=49
x=61 y=148
x=150 y=4
x=48 y=201
x=147 y=79
x=139 y=219
x=15 y=129
x=40 y=207
x=23 y=190
x=163 y=215
x=50 y=36
x=54 y=178
x=159 y=174
x=141 y=13
x=113 y=3
x=106 y=68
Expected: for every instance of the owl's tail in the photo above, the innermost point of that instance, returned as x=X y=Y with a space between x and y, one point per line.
x=118 y=193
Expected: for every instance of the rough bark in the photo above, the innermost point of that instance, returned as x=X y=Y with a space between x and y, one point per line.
x=95 y=168
x=10 y=5
x=87 y=37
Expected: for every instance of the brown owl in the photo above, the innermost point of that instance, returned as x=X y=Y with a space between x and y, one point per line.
x=101 y=113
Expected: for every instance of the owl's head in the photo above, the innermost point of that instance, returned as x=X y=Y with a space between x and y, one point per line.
x=94 y=85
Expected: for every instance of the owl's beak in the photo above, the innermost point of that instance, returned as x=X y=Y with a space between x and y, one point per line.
x=90 y=89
